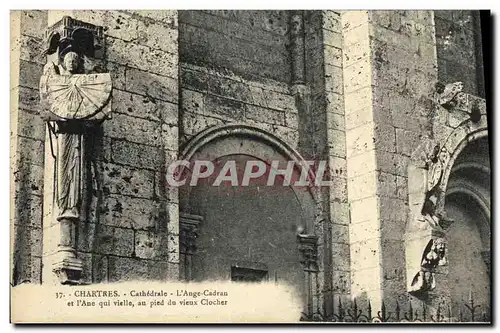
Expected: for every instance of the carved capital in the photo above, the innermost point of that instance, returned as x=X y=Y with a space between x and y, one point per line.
x=189 y=225
x=486 y=255
x=308 y=247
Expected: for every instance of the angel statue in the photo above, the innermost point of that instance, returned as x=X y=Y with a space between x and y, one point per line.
x=69 y=98
x=74 y=98
x=70 y=95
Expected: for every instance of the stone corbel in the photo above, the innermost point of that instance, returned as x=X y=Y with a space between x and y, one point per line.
x=452 y=98
x=73 y=99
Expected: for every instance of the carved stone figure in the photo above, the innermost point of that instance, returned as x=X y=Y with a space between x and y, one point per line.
x=450 y=95
x=432 y=210
x=69 y=165
x=69 y=95
x=422 y=282
x=434 y=255
x=73 y=99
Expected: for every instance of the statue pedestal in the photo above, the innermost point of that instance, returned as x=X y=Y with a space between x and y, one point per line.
x=68 y=269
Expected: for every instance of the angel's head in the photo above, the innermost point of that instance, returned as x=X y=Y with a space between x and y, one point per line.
x=71 y=62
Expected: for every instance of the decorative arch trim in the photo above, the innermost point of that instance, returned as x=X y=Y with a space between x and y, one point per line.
x=457 y=149
x=238 y=129
x=428 y=174
x=310 y=245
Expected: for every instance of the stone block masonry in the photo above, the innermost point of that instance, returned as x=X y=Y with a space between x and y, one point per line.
x=354 y=88
x=210 y=98
x=389 y=58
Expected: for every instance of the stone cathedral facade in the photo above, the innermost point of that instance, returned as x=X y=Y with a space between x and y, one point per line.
x=393 y=100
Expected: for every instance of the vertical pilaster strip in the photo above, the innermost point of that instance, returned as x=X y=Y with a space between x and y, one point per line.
x=27 y=145
x=365 y=227
x=315 y=148
x=297 y=47
x=337 y=198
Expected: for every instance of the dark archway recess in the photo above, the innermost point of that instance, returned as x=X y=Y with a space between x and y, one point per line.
x=468 y=202
x=255 y=233
x=247 y=232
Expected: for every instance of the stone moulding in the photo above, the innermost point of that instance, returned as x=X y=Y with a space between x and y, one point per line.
x=189 y=225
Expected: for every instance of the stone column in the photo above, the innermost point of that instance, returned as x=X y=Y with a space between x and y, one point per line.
x=308 y=247
x=189 y=225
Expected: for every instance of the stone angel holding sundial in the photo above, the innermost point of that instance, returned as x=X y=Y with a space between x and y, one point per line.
x=75 y=98
x=68 y=94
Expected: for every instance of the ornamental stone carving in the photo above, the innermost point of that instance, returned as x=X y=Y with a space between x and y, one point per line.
x=434 y=255
x=75 y=97
x=70 y=88
x=458 y=119
x=451 y=96
x=309 y=251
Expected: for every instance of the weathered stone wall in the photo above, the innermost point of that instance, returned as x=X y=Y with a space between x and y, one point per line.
x=389 y=58
x=249 y=43
x=210 y=98
x=218 y=87
x=459 y=52
x=131 y=229
x=215 y=90
x=405 y=71
x=365 y=104
x=27 y=135
x=322 y=130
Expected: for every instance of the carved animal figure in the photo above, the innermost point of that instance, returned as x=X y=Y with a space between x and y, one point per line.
x=448 y=94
